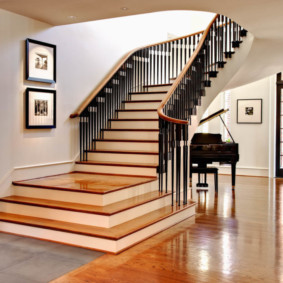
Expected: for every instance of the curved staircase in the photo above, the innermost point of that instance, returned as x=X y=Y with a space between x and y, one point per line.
x=133 y=162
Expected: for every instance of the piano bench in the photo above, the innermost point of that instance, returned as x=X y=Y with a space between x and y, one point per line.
x=204 y=171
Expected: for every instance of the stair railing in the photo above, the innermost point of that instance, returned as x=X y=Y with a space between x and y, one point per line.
x=218 y=42
x=191 y=60
x=151 y=65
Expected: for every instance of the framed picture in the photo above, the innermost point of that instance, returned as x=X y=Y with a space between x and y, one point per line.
x=249 y=111
x=40 y=61
x=40 y=108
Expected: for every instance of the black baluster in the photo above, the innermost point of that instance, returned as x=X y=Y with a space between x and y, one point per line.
x=181 y=55
x=161 y=150
x=169 y=61
x=177 y=58
x=178 y=163
x=185 y=163
x=166 y=149
x=172 y=137
x=81 y=139
x=166 y=64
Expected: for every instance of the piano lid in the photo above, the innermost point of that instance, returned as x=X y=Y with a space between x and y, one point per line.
x=212 y=116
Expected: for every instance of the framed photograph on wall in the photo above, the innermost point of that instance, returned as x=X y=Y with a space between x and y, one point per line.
x=249 y=111
x=40 y=61
x=40 y=108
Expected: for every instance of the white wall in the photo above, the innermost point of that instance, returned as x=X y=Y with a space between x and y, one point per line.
x=256 y=141
x=85 y=53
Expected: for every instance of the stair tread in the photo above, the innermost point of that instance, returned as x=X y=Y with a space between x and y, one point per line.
x=85 y=208
x=82 y=182
x=115 y=233
x=124 y=151
x=136 y=110
x=139 y=130
x=135 y=120
x=130 y=141
x=147 y=92
x=158 y=85
x=126 y=164
x=141 y=101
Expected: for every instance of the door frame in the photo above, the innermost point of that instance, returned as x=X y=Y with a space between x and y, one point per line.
x=279 y=88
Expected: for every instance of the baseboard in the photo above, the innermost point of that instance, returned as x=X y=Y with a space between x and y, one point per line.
x=41 y=170
x=33 y=171
x=245 y=171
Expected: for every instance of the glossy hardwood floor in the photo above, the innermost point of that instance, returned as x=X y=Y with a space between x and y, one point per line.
x=235 y=237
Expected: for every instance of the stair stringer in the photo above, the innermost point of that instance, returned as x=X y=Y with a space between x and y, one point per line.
x=224 y=76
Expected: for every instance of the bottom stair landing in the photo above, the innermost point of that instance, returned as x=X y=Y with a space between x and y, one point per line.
x=103 y=212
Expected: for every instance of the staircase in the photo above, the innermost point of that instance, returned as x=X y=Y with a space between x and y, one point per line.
x=114 y=198
x=130 y=145
x=117 y=203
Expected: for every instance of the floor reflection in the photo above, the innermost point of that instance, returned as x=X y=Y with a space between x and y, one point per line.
x=236 y=236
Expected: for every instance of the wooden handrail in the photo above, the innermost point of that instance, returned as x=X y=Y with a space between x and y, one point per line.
x=180 y=77
x=120 y=63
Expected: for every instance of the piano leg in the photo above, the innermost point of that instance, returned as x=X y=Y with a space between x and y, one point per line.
x=191 y=176
x=233 y=169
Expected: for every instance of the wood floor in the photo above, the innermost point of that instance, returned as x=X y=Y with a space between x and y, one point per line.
x=235 y=237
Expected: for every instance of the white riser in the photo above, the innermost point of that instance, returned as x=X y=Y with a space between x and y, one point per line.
x=84 y=218
x=94 y=242
x=135 y=212
x=155 y=228
x=120 y=157
x=134 y=125
x=147 y=96
x=138 y=115
x=104 y=145
x=158 y=88
x=85 y=198
x=56 y=214
x=131 y=135
x=142 y=105
x=133 y=171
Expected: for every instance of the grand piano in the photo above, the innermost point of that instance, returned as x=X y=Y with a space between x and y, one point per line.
x=207 y=148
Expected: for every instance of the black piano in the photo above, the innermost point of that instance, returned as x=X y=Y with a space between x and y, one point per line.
x=207 y=148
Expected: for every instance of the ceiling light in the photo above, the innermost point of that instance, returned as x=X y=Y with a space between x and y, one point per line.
x=124 y=8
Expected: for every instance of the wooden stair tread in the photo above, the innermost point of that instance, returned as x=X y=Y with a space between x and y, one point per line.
x=125 y=164
x=124 y=151
x=136 y=110
x=132 y=130
x=114 y=233
x=148 y=92
x=82 y=182
x=141 y=101
x=106 y=210
x=134 y=120
x=157 y=85
x=130 y=141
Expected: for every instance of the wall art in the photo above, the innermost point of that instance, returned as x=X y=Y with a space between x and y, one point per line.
x=40 y=61
x=249 y=111
x=40 y=108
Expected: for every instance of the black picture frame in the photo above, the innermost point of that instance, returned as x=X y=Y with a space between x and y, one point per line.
x=249 y=111
x=40 y=61
x=40 y=108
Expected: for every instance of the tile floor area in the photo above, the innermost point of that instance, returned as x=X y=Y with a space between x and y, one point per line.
x=26 y=260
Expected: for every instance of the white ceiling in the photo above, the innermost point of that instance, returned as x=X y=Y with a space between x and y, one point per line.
x=263 y=18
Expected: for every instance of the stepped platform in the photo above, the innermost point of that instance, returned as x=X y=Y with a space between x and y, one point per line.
x=98 y=211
